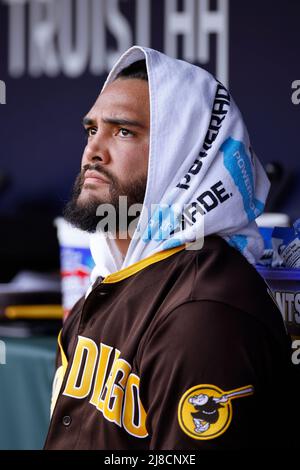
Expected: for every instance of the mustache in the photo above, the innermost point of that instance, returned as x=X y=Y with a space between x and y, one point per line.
x=95 y=167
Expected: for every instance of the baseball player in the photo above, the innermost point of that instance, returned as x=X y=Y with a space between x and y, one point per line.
x=177 y=344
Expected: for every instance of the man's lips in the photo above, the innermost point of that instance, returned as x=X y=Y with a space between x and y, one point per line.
x=94 y=177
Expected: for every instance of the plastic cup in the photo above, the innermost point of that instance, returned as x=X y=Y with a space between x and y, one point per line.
x=76 y=263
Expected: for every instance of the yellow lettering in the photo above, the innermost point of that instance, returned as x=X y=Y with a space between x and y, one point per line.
x=118 y=398
x=82 y=389
x=130 y=406
x=107 y=386
x=105 y=352
x=115 y=391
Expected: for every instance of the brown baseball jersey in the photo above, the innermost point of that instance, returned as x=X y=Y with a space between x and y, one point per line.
x=182 y=350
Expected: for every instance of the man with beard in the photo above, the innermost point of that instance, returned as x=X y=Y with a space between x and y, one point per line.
x=115 y=159
x=175 y=309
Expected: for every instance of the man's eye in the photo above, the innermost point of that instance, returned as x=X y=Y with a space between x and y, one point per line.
x=90 y=131
x=124 y=132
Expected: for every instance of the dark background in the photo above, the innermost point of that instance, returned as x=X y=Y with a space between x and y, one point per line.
x=42 y=138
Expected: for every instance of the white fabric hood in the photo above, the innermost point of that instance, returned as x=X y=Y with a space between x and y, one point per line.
x=200 y=161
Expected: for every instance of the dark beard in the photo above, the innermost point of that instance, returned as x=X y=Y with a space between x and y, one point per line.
x=82 y=215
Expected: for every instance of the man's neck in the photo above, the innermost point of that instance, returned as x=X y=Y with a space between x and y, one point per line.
x=123 y=244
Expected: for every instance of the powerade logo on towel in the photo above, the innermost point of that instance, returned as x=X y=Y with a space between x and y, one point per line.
x=238 y=164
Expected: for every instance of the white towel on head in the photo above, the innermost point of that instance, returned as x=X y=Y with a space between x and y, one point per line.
x=200 y=163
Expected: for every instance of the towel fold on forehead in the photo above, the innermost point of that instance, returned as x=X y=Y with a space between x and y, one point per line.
x=203 y=176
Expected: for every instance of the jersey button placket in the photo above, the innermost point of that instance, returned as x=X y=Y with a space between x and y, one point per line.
x=67 y=420
x=102 y=293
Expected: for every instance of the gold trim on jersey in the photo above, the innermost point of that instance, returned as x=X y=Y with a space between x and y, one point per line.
x=59 y=375
x=139 y=265
x=62 y=352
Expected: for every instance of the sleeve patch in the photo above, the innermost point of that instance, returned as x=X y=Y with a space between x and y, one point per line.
x=205 y=411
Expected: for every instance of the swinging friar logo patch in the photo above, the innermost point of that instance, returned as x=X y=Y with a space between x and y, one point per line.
x=205 y=411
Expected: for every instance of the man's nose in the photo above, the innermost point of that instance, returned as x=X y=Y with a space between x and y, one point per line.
x=95 y=151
